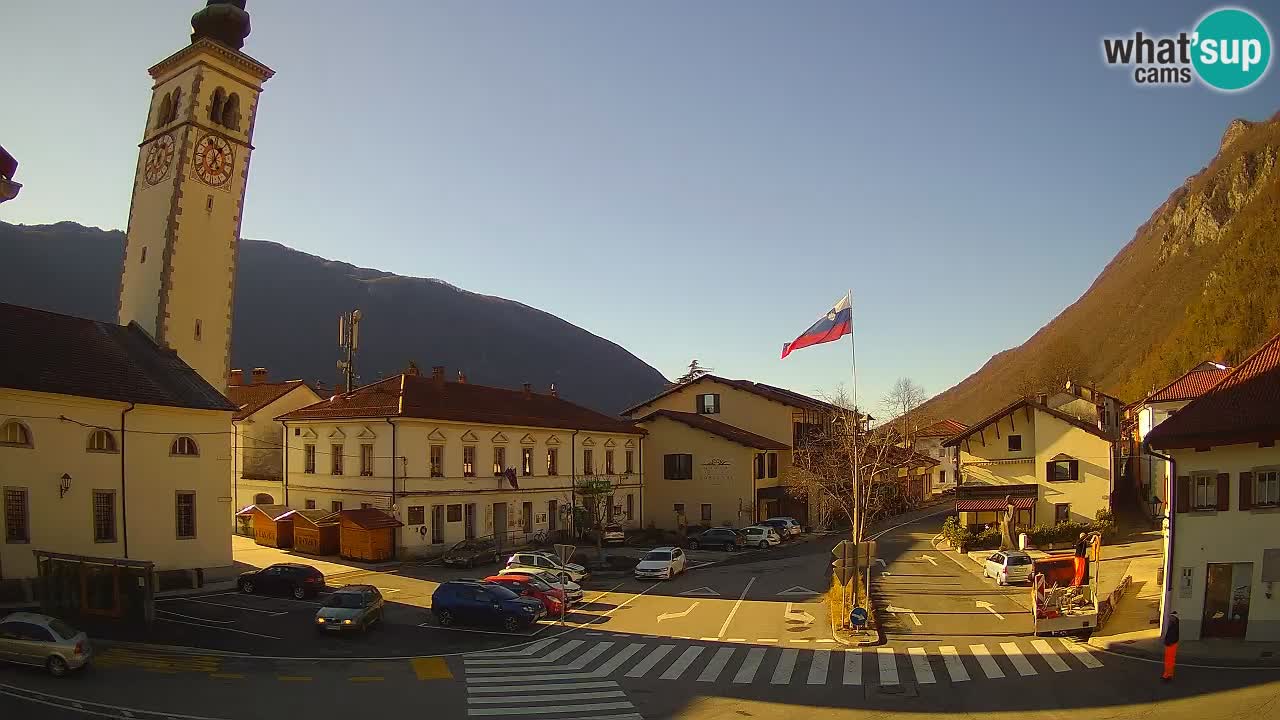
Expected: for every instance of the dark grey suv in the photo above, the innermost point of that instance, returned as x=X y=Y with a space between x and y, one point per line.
x=726 y=539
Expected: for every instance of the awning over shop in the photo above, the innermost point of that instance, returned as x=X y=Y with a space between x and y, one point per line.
x=993 y=504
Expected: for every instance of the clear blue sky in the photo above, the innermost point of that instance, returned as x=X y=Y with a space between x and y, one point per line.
x=686 y=179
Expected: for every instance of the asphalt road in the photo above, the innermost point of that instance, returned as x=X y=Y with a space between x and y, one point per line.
x=714 y=643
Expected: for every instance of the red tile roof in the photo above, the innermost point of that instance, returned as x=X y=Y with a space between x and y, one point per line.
x=65 y=355
x=1240 y=408
x=1193 y=384
x=370 y=518
x=715 y=427
x=943 y=428
x=769 y=392
x=252 y=398
x=417 y=396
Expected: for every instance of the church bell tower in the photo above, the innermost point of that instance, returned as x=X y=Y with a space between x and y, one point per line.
x=179 y=272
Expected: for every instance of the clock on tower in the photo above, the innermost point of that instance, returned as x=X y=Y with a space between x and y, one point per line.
x=179 y=269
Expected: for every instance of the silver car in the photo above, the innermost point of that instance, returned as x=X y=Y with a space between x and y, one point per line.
x=1008 y=566
x=43 y=641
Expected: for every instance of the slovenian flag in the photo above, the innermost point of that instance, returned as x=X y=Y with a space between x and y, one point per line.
x=837 y=323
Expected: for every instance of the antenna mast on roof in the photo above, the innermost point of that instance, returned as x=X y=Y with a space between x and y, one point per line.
x=349 y=341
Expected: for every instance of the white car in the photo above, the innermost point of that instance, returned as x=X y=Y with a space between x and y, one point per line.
x=538 y=561
x=791 y=525
x=1008 y=566
x=662 y=563
x=572 y=590
x=760 y=536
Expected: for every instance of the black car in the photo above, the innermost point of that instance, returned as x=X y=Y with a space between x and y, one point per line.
x=483 y=603
x=470 y=553
x=717 y=538
x=294 y=579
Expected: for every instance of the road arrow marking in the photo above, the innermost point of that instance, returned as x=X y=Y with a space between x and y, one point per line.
x=798 y=590
x=797 y=616
x=880 y=562
x=930 y=559
x=905 y=611
x=989 y=608
x=668 y=616
x=703 y=591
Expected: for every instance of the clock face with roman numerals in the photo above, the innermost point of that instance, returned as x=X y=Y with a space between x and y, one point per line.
x=159 y=158
x=213 y=160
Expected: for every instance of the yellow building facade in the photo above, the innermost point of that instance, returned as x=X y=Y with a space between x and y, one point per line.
x=257 y=444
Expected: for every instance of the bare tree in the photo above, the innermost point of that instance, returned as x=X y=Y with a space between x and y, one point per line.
x=596 y=495
x=902 y=403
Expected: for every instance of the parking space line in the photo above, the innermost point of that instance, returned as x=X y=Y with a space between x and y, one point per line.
x=725 y=627
x=366 y=678
x=223 y=629
x=193 y=617
x=233 y=607
x=293 y=678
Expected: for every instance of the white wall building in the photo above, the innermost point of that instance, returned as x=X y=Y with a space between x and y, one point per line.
x=257 y=445
x=929 y=441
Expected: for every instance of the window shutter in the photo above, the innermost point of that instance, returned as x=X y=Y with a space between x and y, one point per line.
x=1184 y=494
x=717 y=403
x=1224 y=491
x=666 y=466
x=1048 y=471
x=1246 y=490
x=1075 y=469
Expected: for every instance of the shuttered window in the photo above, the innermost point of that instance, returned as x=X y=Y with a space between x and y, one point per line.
x=677 y=467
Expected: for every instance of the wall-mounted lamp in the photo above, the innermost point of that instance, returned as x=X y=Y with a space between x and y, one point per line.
x=64 y=486
x=1156 y=504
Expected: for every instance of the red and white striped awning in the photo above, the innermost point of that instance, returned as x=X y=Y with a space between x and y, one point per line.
x=993 y=504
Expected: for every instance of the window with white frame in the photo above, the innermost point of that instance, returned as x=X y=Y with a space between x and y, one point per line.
x=629 y=460
x=499 y=460
x=309 y=459
x=184 y=445
x=101 y=441
x=366 y=459
x=335 y=459
x=608 y=462
x=1204 y=492
x=437 y=462
x=553 y=464
x=15 y=434
x=468 y=461
x=1266 y=487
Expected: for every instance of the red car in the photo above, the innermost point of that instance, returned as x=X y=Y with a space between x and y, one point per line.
x=533 y=587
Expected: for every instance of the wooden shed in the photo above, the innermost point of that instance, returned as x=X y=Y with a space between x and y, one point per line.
x=314 y=531
x=270 y=526
x=367 y=534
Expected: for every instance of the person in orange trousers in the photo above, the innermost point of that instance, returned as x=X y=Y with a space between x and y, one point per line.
x=1170 y=647
x=1082 y=560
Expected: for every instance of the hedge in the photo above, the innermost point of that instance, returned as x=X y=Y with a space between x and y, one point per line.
x=961 y=538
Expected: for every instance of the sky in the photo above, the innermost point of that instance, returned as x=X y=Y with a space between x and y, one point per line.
x=689 y=180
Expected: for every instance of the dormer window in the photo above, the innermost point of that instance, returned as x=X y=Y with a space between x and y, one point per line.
x=709 y=404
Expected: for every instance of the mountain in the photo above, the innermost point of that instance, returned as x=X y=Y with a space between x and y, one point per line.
x=1199 y=280
x=286 y=318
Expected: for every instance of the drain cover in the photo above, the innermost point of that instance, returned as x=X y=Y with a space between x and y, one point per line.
x=892 y=691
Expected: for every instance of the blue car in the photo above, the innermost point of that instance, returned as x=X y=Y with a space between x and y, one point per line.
x=474 y=602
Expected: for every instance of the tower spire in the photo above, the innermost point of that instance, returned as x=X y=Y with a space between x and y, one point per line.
x=225 y=21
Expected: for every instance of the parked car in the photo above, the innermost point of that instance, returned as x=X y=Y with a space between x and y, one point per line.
x=1008 y=566
x=787 y=527
x=551 y=597
x=350 y=607
x=726 y=539
x=614 y=534
x=662 y=563
x=470 y=553
x=761 y=536
x=43 y=641
x=481 y=603
x=572 y=590
x=546 y=561
x=295 y=579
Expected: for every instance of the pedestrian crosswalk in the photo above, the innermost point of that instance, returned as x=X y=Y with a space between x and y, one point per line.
x=556 y=677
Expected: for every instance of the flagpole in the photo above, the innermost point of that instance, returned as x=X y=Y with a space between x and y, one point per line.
x=853 y=357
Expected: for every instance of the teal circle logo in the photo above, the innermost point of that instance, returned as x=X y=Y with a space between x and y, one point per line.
x=1232 y=49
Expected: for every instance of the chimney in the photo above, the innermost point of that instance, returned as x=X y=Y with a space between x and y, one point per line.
x=554 y=393
x=237 y=378
x=412 y=370
x=462 y=378
x=259 y=376
x=528 y=390
x=437 y=375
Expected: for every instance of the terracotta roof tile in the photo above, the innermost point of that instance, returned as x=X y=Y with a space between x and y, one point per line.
x=249 y=399
x=1239 y=408
x=715 y=427
x=770 y=392
x=1190 y=386
x=943 y=428
x=48 y=352
x=417 y=396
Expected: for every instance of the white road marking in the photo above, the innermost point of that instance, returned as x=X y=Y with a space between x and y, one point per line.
x=735 y=639
x=682 y=663
x=1078 y=652
x=824 y=640
x=798 y=590
x=930 y=559
x=853 y=667
x=988 y=663
x=1019 y=662
x=617 y=661
x=989 y=607
x=590 y=685
x=703 y=591
x=1050 y=657
x=797 y=616
x=593 y=695
x=580 y=663
x=233 y=607
x=550 y=657
x=716 y=666
x=531 y=649
x=547 y=709
x=920 y=662
x=786 y=665
x=818 y=668
x=709 y=638
x=194 y=617
x=766 y=639
x=653 y=658
x=734 y=611
x=904 y=611
x=668 y=616
x=221 y=629
x=747 y=671
x=529 y=678
x=955 y=668
x=888 y=666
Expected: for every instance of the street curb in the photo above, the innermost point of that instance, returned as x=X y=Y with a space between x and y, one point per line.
x=1191 y=661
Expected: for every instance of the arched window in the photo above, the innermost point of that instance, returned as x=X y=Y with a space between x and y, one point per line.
x=231 y=112
x=263 y=499
x=102 y=441
x=15 y=434
x=215 y=105
x=184 y=445
x=175 y=107
x=166 y=108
